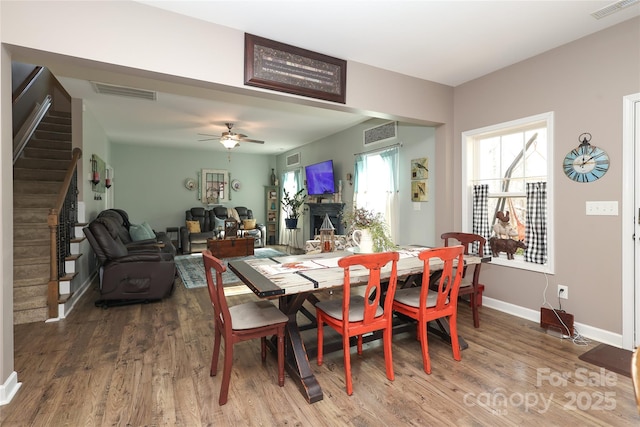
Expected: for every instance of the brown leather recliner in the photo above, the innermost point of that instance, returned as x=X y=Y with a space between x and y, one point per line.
x=128 y=275
x=197 y=242
x=118 y=222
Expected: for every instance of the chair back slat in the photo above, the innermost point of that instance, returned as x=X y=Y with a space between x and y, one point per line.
x=449 y=281
x=216 y=290
x=373 y=292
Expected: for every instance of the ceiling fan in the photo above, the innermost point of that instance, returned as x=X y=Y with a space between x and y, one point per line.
x=229 y=138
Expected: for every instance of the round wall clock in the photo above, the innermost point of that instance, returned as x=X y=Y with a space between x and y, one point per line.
x=585 y=163
x=190 y=184
x=235 y=184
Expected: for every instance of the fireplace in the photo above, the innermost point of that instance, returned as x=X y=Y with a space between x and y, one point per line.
x=317 y=211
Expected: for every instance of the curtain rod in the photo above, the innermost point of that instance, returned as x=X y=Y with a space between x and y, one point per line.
x=398 y=144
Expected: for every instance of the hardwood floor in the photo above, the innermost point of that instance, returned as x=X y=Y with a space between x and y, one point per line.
x=148 y=365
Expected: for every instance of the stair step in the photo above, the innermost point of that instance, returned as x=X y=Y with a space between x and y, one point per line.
x=30 y=297
x=34 y=200
x=52 y=136
x=46 y=153
x=36 y=187
x=30 y=215
x=48 y=164
x=50 y=145
x=68 y=277
x=30 y=316
x=31 y=270
x=21 y=251
x=63 y=298
x=56 y=119
x=73 y=257
x=58 y=114
x=52 y=126
x=26 y=174
x=31 y=232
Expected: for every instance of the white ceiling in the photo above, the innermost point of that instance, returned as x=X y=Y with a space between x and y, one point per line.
x=449 y=42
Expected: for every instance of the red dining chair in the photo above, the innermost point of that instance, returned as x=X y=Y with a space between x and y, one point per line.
x=425 y=305
x=240 y=323
x=470 y=284
x=355 y=314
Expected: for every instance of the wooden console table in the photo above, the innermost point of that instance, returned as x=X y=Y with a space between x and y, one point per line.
x=233 y=247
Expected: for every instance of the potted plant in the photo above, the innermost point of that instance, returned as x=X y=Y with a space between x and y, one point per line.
x=292 y=205
x=369 y=230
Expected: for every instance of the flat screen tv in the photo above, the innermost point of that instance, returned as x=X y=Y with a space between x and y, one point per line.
x=320 y=178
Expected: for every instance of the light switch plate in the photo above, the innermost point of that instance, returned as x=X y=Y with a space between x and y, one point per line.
x=602 y=208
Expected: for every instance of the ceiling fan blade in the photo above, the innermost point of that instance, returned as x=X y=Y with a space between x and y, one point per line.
x=257 y=141
x=209 y=139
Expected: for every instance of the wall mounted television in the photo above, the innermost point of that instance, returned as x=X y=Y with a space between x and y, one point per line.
x=320 y=178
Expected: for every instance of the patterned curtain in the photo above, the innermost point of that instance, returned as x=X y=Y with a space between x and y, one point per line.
x=536 y=230
x=480 y=220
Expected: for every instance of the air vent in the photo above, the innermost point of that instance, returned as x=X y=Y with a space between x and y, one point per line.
x=613 y=8
x=129 y=92
x=293 y=159
x=380 y=133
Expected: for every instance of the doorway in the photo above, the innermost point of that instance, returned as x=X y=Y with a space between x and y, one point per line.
x=631 y=222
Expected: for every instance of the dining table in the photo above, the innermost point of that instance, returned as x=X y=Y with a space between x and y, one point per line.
x=295 y=279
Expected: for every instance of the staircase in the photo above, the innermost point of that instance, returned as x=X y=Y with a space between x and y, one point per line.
x=37 y=178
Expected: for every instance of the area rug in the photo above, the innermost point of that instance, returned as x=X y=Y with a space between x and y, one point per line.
x=191 y=270
x=612 y=358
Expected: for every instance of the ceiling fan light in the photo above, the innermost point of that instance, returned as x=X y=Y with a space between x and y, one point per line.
x=228 y=143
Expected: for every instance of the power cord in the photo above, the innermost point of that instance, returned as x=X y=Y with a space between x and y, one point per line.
x=577 y=338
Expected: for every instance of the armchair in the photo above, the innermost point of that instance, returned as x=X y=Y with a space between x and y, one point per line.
x=128 y=275
x=193 y=241
x=258 y=233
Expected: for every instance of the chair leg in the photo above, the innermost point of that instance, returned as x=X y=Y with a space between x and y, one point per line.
x=263 y=348
x=474 y=309
x=281 y=357
x=347 y=364
x=359 y=346
x=226 y=373
x=216 y=352
x=453 y=329
x=424 y=345
x=388 y=358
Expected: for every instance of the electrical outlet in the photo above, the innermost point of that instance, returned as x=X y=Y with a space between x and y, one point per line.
x=563 y=291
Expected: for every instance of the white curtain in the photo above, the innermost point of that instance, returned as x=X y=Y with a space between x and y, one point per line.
x=292 y=182
x=376 y=185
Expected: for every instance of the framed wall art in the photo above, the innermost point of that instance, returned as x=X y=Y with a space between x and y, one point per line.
x=277 y=66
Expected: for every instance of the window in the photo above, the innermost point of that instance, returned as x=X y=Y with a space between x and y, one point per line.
x=375 y=184
x=508 y=168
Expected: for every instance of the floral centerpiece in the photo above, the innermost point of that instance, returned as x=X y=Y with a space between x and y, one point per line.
x=364 y=219
x=292 y=205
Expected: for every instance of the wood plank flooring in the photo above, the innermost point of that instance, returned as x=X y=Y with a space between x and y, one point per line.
x=148 y=365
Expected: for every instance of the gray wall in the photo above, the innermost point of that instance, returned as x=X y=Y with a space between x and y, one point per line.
x=583 y=83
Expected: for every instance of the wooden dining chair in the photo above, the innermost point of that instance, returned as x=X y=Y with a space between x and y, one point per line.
x=426 y=305
x=356 y=315
x=240 y=323
x=470 y=285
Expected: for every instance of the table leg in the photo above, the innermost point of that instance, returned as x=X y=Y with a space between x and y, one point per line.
x=297 y=361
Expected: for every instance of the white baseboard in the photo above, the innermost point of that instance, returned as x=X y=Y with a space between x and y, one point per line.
x=9 y=388
x=587 y=331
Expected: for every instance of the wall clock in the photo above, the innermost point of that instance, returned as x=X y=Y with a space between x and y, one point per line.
x=235 y=184
x=585 y=163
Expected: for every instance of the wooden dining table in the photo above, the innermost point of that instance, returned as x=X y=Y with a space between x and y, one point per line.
x=294 y=279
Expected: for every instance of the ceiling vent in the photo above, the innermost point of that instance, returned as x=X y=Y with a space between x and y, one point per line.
x=129 y=92
x=380 y=133
x=613 y=8
x=293 y=159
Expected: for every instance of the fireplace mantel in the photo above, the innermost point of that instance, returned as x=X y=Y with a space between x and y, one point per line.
x=317 y=211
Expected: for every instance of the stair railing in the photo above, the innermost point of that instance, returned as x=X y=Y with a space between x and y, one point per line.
x=62 y=220
x=29 y=127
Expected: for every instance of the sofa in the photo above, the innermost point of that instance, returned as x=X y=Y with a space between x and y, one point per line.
x=136 y=236
x=211 y=226
x=129 y=273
